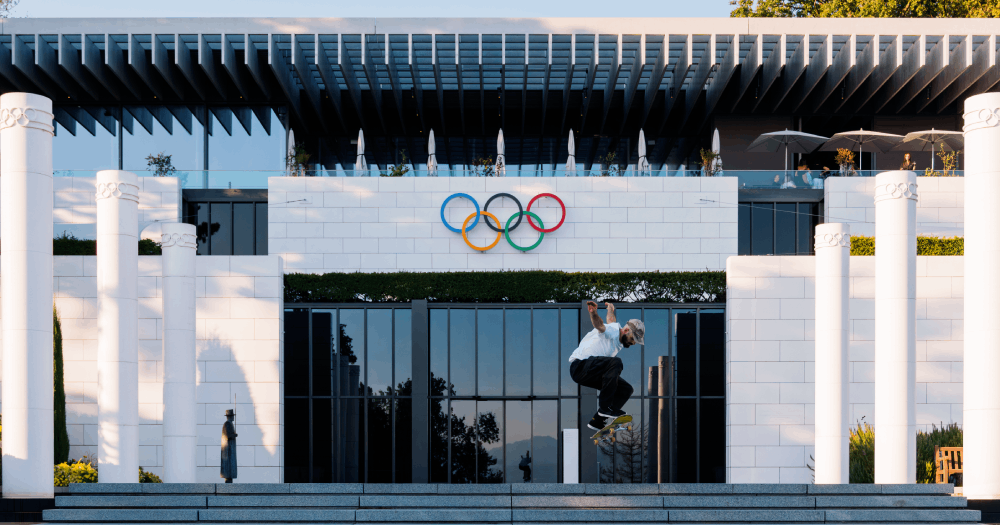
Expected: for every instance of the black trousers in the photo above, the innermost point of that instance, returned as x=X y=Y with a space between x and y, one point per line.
x=604 y=374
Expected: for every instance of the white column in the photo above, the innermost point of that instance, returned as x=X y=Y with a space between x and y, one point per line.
x=981 y=389
x=571 y=455
x=179 y=358
x=895 y=327
x=26 y=283
x=833 y=264
x=117 y=327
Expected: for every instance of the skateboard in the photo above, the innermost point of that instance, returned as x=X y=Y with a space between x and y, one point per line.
x=620 y=423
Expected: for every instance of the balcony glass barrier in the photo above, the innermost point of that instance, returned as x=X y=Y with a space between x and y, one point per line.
x=249 y=179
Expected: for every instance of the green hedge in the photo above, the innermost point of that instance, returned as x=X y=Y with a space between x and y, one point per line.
x=67 y=244
x=861 y=245
x=862 y=450
x=506 y=287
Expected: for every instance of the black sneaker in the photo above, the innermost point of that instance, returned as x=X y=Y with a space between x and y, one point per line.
x=611 y=412
x=597 y=423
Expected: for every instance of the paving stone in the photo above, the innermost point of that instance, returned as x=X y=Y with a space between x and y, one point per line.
x=475 y=488
x=709 y=502
x=608 y=516
x=435 y=501
x=130 y=501
x=890 y=501
x=622 y=488
x=107 y=488
x=400 y=488
x=696 y=488
x=111 y=515
x=325 y=488
x=912 y=516
x=178 y=488
x=853 y=488
x=768 y=488
x=761 y=516
x=298 y=500
x=548 y=488
x=919 y=488
x=266 y=515
x=251 y=488
x=610 y=501
x=434 y=515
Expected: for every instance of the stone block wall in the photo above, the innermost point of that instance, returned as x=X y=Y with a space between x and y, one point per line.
x=770 y=358
x=346 y=224
x=940 y=204
x=240 y=356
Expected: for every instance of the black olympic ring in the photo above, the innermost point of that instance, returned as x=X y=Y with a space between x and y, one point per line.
x=520 y=213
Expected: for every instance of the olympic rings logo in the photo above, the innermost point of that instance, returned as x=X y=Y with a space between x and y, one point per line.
x=505 y=231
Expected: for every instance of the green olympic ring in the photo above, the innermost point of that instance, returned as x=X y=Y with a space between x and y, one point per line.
x=541 y=235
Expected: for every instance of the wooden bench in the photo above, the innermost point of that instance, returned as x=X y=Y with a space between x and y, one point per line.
x=948 y=461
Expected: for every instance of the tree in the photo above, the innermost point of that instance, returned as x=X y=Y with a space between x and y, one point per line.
x=61 y=437
x=622 y=460
x=6 y=6
x=867 y=8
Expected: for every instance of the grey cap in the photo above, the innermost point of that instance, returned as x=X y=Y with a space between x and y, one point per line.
x=638 y=330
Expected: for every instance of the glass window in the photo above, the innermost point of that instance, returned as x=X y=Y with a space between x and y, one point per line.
x=352 y=345
x=517 y=351
x=685 y=344
x=379 y=443
x=569 y=339
x=490 y=432
x=744 y=234
x=297 y=443
x=322 y=438
x=762 y=229
x=296 y=352
x=632 y=356
x=403 y=349
x=260 y=229
x=784 y=228
x=221 y=228
x=712 y=328
x=518 y=440
x=231 y=147
x=83 y=151
x=323 y=347
x=379 y=358
x=463 y=352
x=244 y=235
x=657 y=346
x=186 y=150
x=403 y=430
x=489 y=341
x=808 y=218
x=438 y=333
x=464 y=446
x=545 y=352
x=544 y=442
x=712 y=445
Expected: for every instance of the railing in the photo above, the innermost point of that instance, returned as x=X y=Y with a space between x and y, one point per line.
x=257 y=179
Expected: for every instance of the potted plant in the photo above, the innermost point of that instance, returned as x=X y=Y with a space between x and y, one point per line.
x=711 y=162
x=484 y=166
x=610 y=166
x=845 y=159
x=161 y=164
x=399 y=169
x=296 y=160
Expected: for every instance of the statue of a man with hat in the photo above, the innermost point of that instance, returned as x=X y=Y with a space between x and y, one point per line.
x=228 y=468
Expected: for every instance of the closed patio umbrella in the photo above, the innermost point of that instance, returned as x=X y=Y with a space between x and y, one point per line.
x=501 y=166
x=716 y=148
x=360 y=165
x=931 y=139
x=643 y=166
x=290 y=160
x=432 y=163
x=571 y=158
x=874 y=141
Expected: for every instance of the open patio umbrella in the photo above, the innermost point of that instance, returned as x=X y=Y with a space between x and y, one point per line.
x=360 y=165
x=931 y=139
x=874 y=141
x=571 y=158
x=501 y=166
x=432 y=163
x=643 y=166
x=792 y=142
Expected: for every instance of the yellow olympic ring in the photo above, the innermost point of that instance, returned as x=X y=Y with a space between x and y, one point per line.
x=466 y=223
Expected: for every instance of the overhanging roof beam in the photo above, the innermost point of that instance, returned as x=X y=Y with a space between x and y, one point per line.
x=309 y=86
x=137 y=61
x=959 y=60
x=888 y=62
x=263 y=114
x=984 y=60
x=232 y=66
x=163 y=116
x=60 y=115
x=588 y=87
x=438 y=86
x=142 y=116
x=609 y=85
x=397 y=89
x=371 y=73
x=706 y=63
x=840 y=67
x=795 y=67
x=727 y=69
x=772 y=69
x=70 y=61
x=45 y=59
x=90 y=57
x=329 y=80
x=864 y=66
x=353 y=86
x=85 y=119
x=816 y=70
x=183 y=116
x=103 y=117
x=244 y=117
x=224 y=115
x=279 y=67
x=749 y=67
x=114 y=58
x=162 y=63
x=930 y=66
x=251 y=59
x=11 y=73
x=634 y=75
x=206 y=59
x=24 y=60
x=655 y=79
x=182 y=58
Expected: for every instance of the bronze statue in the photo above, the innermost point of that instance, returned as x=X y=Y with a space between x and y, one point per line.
x=228 y=469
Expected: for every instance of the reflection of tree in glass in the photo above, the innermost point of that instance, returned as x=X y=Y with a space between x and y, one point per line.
x=346 y=347
x=622 y=460
x=203 y=231
x=469 y=459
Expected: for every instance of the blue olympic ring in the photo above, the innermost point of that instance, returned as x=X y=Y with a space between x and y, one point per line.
x=445 y=203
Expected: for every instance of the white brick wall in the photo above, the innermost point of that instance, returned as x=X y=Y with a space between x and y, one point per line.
x=940 y=206
x=340 y=224
x=770 y=358
x=240 y=355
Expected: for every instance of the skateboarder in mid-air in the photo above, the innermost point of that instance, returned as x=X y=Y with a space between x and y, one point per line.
x=594 y=362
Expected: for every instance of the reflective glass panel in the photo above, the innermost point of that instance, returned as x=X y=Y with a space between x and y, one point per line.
x=84 y=151
x=762 y=229
x=545 y=352
x=463 y=352
x=244 y=235
x=685 y=345
x=438 y=332
x=744 y=236
x=440 y=422
x=713 y=353
x=489 y=341
x=518 y=427
x=569 y=414
x=808 y=219
x=657 y=321
x=186 y=150
x=403 y=438
x=323 y=343
x=380 y=339
x=784 y=228
x=297 y=353
x=297 y=443
x=712 y=446
x=221 y=228
x=403 y=350
x=632 y=356
x=517 y=351
x=544 y=442
x=352 y=344
x=490 y=431
x=687 y=441
x=260 y=248
x=240 y=150
x=464 y=444
x=569 y=338
x=379 y=437
x=322 y=441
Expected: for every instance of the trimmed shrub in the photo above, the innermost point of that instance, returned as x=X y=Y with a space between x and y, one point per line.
x=862 y=245
x=949 y=435
x=148 y=477
x=862 y=453
x=78 y=472
x=68 y=244
x=61 y=437
x=506 y=287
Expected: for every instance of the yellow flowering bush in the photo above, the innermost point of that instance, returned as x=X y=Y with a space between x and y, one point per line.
x=75 y=473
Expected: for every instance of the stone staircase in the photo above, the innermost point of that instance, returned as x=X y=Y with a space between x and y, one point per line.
x=528 y=503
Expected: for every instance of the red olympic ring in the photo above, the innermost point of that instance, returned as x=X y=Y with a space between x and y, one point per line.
x=556 y=227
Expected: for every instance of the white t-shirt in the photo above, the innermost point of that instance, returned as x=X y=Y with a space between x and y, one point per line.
x=597 y=344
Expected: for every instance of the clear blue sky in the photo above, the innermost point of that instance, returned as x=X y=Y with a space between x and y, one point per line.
x=371 y=8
